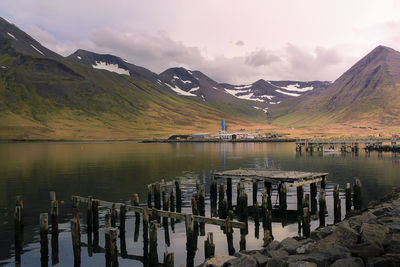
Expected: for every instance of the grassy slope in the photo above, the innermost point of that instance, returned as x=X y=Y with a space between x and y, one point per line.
x=49 y=99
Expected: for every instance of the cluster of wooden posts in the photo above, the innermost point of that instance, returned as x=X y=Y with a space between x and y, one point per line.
x=319 y=147
x=165 y=200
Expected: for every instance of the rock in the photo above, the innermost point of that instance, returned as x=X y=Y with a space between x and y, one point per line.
x=273 y=245
x=260 y=259
x=322 y=258
x=392 y=243
x=349 y=262
x=217 y=261
x=387 y=260
x=356 y=221
x=373 y=233
x=302 y=264
x=243 y=260
x=342 y=235
x=290 y=245
x=305 y=244
x=366 y=250
x=323 y=232
x=392 y=222
x=280 y=253
x=275 y=262
x=379 y=212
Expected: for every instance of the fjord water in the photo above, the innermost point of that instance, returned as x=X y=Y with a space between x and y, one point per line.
x=114 y=171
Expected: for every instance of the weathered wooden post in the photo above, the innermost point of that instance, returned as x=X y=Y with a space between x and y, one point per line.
x=255 y=191
x=172 y=207
x=76 y=237
x=18 y=228
x=168 y=259
x=313 y=195
x=268 y=188
x=111 y=247
x=322 y=207
x=95 y=213
x=157 y=196
x=222 y=205
x=209 y=246
x=202 y=208
x=242 y=243
x=145 y=235
x=283 y=202
x=54 y=228
x=113 y=215
x=337 y=211
x=89 y=214
x=348 y=199
x=229 y=235
x=306 y=222
x=229 y=192
x=323 y=182
x=149 y=193
x=135 y=198
x=44 y=241
x=267 y=238
x=357 y=195
x=213 y=197
x=191 y=240
x=166 y=205
x=178 y=193
x=153 y=243
x=107 y=219
x=300 y=193
x=122 y=218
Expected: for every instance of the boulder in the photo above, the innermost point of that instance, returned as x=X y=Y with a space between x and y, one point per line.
x=323 y=232
x=387 y=260
x=290 y=245
x=355 y=222
x=260 y=259
x=275 y=262
x=373 y=233
x=322 y=258
x=217 y=261
x=302 y=264
x=349 y=262
x=279 y=253
x=243 y=260
x=393 y=223
x=366 y=250
x=392 y=243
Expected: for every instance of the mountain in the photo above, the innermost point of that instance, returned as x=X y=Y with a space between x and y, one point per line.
x=273 y=92
x=369 y=91
x=46 y=96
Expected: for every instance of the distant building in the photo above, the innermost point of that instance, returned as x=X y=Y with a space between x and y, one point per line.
x=201 y=136
x=179 y=137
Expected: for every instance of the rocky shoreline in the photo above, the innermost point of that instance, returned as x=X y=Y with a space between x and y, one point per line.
x=371 y=238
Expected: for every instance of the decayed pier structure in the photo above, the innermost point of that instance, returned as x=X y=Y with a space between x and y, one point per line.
x=311 y=145
x=164 y=207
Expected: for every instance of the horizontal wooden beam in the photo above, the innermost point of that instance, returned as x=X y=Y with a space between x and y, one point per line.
x=162 y=213
x=297 y=184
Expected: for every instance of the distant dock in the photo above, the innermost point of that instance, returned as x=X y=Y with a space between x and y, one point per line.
x=389 y=145
x=215 y=140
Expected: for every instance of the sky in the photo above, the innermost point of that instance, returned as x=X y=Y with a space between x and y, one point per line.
x=229 y=40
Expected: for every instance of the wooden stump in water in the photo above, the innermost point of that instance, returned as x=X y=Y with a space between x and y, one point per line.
x=44 y=240
x=255 y=191
x=337 y=211
x=168 y=259
x=306 y=222
x=89 y=214
x=229 y=236
x=267 y=238
x=178 y=193
x=191 y=240
x=153 y=243
x=313 y=195
x=222 y=204
x=323 y=182
x=145 y=235
x=18 y=229
x=157 y=196
x=229 y=192
x=122 y=218
x=54 y=228
x=348 y=199
x=113 y=215
x=95 y=212
x=149 y=193
x=209 y=246
x=111 y=247
x=322 y=208
x=357 y=195
x=75 y=234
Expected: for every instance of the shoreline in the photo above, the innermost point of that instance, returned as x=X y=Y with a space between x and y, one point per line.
x=369 y=238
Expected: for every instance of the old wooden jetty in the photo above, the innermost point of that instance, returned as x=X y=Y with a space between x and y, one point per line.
x=164 y=200
x=311 y=145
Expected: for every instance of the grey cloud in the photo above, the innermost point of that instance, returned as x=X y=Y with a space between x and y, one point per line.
x=261 y=57
x=239 y=43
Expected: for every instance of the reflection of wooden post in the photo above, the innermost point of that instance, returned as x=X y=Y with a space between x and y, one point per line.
x=229 y=192
x=209 y=246
x=172 y=207
x=95 y=211
x=348 y=199
x=107 y=219
x=44 y=241
x=202 y=207
x=89 y=214
x=178 y=194
x=122 y=217
x=357 y=197
x=18 y=229
x=337 y=214
x=322 y=208
x=135 y=199
x=300 y=192
x=153 y=243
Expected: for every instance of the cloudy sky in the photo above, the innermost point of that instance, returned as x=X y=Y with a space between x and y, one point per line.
x=229 y=40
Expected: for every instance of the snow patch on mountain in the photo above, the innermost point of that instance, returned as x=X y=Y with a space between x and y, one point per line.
x=34 y=47
x=194 y=89
x=243 y=86
x=286 y=93
x=296 y=88
x=248 y=96
x=179 y=91
x=110 y=67
x=186 y=81
x=78 y=57
x=12 y=36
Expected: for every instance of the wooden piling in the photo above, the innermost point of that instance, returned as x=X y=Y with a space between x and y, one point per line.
x=172 y=207
x=89 y=214
x=229 y=192
x=267 y=237
x=18 y=228
x=44 y=241
x=178 y=194
x=107 y=219
x=348 y=199
x=153 y=243
x=168 y=259
x=300 y=193
x=54 y=227
x=122 y=218
x=313 y=196
x=323 y=182
x=149 y=193
x=229 y=236
x=191 y=240
x=135 y=198
x=337 y=211
x=111 y=247
x=157 y=196
x=357 y=195
x=255 y=191
x=268 y=188
x=209 y=246
x=113 y=215
x=222 y=204
x=202 y=205
x=322 y=208
x=242 y=244
x=145 y=234
x=306 y=223
x=95 y=212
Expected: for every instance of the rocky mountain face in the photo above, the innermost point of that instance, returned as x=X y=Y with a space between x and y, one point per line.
x=369 y=90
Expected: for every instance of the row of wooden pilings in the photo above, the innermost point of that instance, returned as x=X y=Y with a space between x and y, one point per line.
x=352 y=147
x=173 y=201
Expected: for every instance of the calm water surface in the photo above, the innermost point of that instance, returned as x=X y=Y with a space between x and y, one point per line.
x=114 y=171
